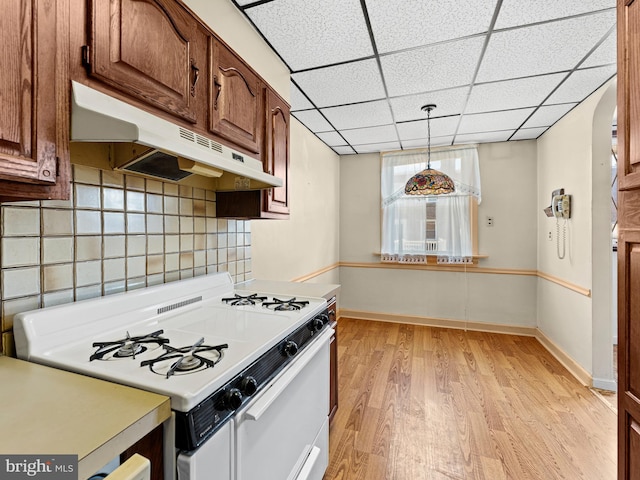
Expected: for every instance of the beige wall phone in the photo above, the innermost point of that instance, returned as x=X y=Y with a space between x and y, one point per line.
x=561 y=208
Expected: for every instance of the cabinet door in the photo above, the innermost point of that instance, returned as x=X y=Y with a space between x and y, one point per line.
x=276 y=155
x=235 y=99
x=32 y=117
x=147 y=49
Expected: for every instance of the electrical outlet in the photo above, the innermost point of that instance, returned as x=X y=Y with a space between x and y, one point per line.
x=550 y=236
x=489 y=221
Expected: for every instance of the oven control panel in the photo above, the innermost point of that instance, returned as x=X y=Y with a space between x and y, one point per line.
x=195 y=426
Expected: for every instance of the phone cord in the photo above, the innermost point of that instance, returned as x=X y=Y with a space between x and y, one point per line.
x=564 y=237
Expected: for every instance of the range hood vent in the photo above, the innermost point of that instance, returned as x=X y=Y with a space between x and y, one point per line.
x=173 y=152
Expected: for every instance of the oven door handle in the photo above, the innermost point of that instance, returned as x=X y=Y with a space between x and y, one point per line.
x=307 y=468
x=262 y=404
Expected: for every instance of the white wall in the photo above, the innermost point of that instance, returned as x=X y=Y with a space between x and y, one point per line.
x=570 y=156
x=508 y=172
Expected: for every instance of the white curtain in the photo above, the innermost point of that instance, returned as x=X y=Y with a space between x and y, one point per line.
x=404 y=216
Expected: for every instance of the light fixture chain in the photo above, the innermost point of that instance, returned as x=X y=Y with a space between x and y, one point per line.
x=429 y=139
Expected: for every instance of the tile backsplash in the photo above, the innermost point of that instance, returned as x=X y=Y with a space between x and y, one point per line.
x=118 y=232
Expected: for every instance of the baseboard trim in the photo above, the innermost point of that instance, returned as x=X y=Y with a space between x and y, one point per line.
x=605 y=384
x=438 y=322
x=567 y=362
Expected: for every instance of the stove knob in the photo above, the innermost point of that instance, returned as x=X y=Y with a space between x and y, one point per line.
x=316 y=324
x=233 y=399
x=290 y=348
x=249 y=386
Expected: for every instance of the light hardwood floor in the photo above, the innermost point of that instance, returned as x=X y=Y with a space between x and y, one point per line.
x=420 y=403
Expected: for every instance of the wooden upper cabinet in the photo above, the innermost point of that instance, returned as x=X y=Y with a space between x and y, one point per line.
x=33 y=119
x=149 y=49
x=235 y=99
x=276 y=154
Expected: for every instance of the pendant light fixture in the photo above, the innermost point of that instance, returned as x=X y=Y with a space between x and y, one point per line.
x=429 y=181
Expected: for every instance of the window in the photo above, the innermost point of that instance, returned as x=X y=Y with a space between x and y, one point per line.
x=415 y=227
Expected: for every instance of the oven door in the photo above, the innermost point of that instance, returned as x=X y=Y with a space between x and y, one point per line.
x=211 y=461
x=283 y=433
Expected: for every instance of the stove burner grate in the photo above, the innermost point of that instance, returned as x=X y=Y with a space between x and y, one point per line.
x=239 y=300
x=187 y=359
x=286 y=305
x=127 y=347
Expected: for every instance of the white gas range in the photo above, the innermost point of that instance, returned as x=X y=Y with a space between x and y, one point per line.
x=245 y=371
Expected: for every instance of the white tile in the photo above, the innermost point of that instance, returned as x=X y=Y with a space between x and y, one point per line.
x=439 y=127
x=171 y=262
x=546 y=116
x=349 y=83
x=92 y=291
x=421 y=143
x=172 y=243
x=113 y=222
x=186 y=206
x=115 y=287
x=360 y=115
x=358 y=136
x=155 y=224
x=581 y=84
x=186 y=224
x=605 y=54
x=88 y=175
x=448 y=102
x=12 y=307
x=113 y=199
x=544 y=48
x=135 y=223
x=435 y=67
x=199 y=208
x=486 y=137
x=58 y=277
x=58 y=222
x=186 y=242
x=528 y=133
x=57 y=249
x=171 y=189
x=313 y=120
x=20 y=221
x=134 y=182
x=199 y=225
x=20 y=251
x=155 y=264
x=135 y=201
x=186 y=260
x=343 y=150
x=136 y=266
x=112 y=179
x=155 y=244
x=87 y=196
x=155 y=279
x=517 y=12
x=332 y=139
x=377 y=147
x=114 y=246
x=114 y=269
x=136 y=245
x=154 y=186
x=324 y=32
x=171 y=224
x=298 y=100
x=489 y=122
x=57 y=298
x=405 y=24
x=88 y=222
x=88 y=273
x=88 y=248
x=509 y=94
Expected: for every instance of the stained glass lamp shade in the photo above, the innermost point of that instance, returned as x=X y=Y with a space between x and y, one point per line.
x=429 y=181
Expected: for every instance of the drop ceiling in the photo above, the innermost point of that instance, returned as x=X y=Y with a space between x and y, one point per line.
x=498 y=70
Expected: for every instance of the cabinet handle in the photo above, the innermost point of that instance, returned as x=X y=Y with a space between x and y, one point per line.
x=218 y=87
x=196 y=76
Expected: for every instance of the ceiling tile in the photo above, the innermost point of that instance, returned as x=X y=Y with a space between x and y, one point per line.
x=367 y=114
x=484 y=137
x=436 y=67
x=360 y=136
x=545 y=48
x=342 y=84
x=605 y=54
x=509 y=94
x=546 y=116
x=528 y=133
x=377 y=147
x=344 y=150
x=333 y=139
x=313 y=120
x=581 y=84
x=418 y=129
x=323 y=32
x=422 y=142
x=490 y=122
x=298 y=100
x=400 y=25
x=517 y=12
x=448 y=102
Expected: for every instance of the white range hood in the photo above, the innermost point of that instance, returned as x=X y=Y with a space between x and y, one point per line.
x=175 y=152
